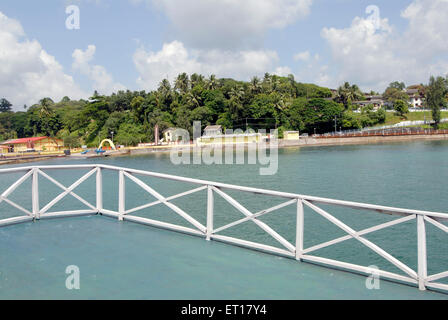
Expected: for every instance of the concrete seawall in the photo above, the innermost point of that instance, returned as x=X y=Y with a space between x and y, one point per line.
x=311 y=142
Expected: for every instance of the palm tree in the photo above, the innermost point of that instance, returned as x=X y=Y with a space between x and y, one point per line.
x=196 y=79
x=292 y=84
x=182 y=83
x=348 y=93
x=237 y=93
x=278 y=101
x=45 y=107
x=356 y=92
x=164 y=88
x=255 y=85
x=275 y=82
x=193 y=100
x=212 y=83
x=267 y=77
x=267 y=83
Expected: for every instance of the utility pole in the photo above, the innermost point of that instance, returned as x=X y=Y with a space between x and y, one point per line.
x=424 y=114
x=335 y=124
x=156 y=134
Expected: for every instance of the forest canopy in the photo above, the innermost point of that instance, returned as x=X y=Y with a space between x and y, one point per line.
x=267 y=103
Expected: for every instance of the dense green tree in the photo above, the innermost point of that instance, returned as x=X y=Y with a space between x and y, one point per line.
x=130 y=134
x=203 y=114
x=182 y=83
x=255 y=85
x=72 y=141
x=273 y=102
x=401 y=108
x=5 y=105
x=161 y=118
x=346 y=94
x=196 y=80
x=212 y=83
x=138 y=108
x=436 y=97
x=320 y=114
x=113 y=123
x=182 y=115
x=397 y=85
x=19 y=123
x=215 y=101
x=392 y=94
x=225 y=120
x=45 y=107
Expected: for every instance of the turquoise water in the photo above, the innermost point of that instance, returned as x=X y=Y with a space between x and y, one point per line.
x=131 y=261
x=409 y=175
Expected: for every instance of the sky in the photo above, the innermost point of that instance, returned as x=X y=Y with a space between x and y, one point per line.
x=134 y=44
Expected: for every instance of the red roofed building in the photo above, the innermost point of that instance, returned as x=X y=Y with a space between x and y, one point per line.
x=35 y=144
x=4 y=149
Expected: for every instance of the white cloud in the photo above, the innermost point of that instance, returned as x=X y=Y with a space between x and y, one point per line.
x=428 y=26
x=230 y=23
x=102 y=80
x=302 y=56
x=373 y=57
x=28 y=73
x=174 y=58
x=282 y=71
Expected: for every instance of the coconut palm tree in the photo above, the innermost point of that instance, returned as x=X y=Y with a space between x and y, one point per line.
x=164 y=88
x=348 y=93
x=212 y=83
x=196 y=79
x=45 y=107
x=182 y=83
x=237 y=93
x=193 y=100
x=278 y=101
x=255 y=85
x=267 y=83
x=275 y=82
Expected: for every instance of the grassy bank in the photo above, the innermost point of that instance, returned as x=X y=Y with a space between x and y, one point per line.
x=392 y=119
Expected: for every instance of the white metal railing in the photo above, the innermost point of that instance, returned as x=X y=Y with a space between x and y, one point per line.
x=294 y=250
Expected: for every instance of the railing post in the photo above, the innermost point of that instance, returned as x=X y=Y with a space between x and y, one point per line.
x=210 y=208
x=299 y=230
x=99 y=190
x=121 y=195
x=422 y=259
x=35 y=194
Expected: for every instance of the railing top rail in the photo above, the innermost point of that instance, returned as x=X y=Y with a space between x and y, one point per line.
x=56 y=167
x=287 y=195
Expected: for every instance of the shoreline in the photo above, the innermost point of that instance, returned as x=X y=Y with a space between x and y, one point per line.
x=303 y=142
x=16 y=160
x=313 y=142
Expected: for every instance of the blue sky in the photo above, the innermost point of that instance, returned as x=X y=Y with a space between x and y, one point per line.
x=135 y=43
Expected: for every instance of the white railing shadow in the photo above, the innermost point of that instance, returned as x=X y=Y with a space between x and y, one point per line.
x=297 y=250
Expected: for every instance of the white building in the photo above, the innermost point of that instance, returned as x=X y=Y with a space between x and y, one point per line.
x=415 y=100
